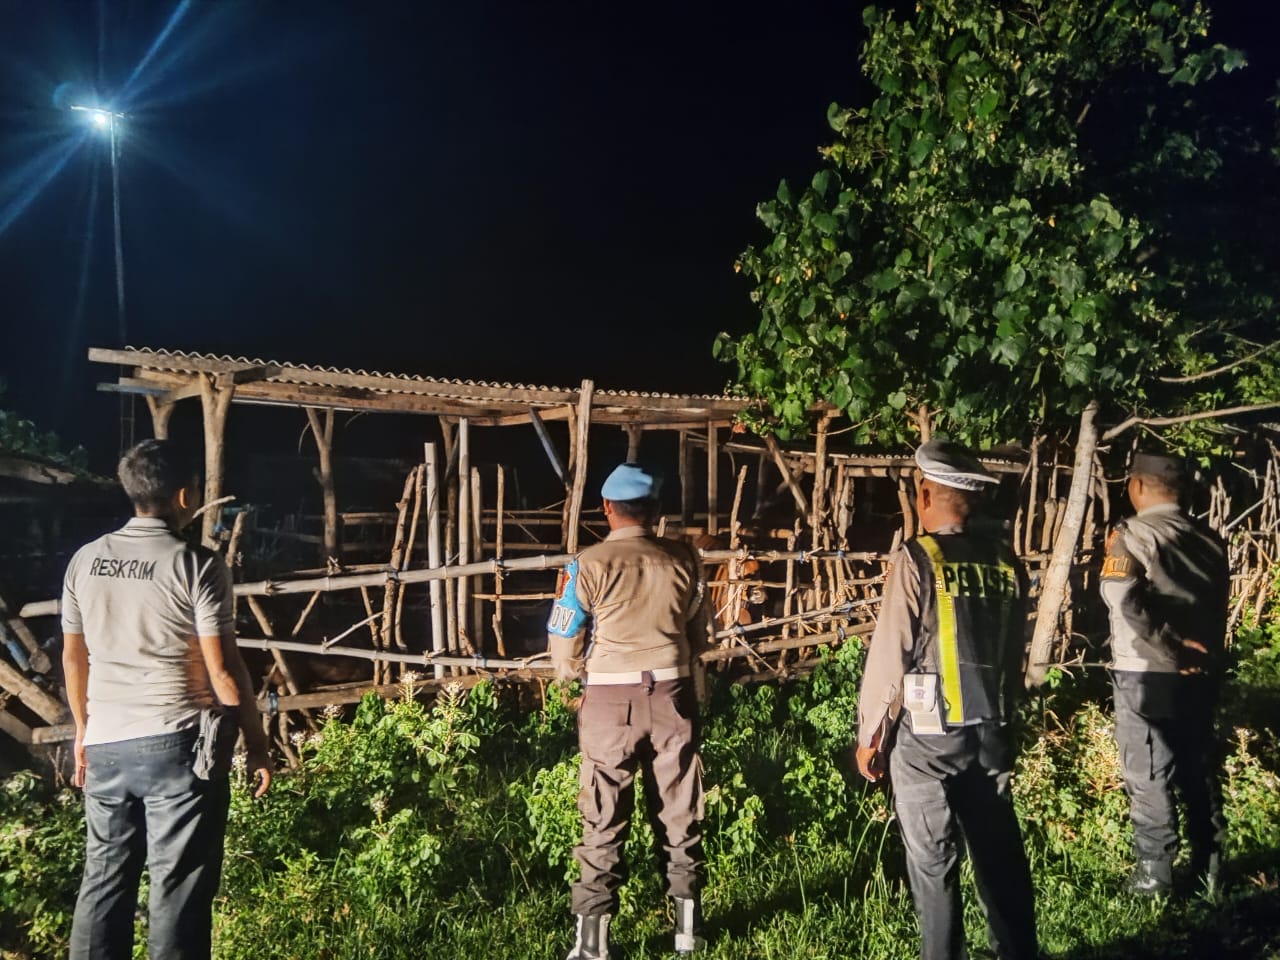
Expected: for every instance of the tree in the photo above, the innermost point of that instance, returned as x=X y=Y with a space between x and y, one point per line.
x=1031 y=227
x=991 y=244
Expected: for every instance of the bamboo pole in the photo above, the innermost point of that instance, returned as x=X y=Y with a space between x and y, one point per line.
x=1033 y=496
x=438 y=637
x=322 y=432
x=787 y=476
x=908 y=510
x=407 y=557
x=499 y=538
x=477 y=533
x=463 y=585
x=686 y=482
x=397 y=558
x=713 y=480
x=573 y=512
x=762 y=479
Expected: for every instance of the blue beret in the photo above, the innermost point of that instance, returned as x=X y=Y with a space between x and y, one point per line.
x=952 y=465
x=631 y=481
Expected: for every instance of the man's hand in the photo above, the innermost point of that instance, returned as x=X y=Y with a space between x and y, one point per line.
x=259 y=766
x=870 y=763
x=1193 y=656
x=82 y=764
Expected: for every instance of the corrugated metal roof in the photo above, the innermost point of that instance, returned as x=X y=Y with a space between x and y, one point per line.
x=180 y=361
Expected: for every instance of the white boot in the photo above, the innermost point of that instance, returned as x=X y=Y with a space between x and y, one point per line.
x=688 y=925
x=592 y=942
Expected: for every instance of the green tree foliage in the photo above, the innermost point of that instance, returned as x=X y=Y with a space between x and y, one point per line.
x=1028 y=216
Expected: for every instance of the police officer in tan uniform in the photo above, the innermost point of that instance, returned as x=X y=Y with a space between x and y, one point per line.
x=1165 y=581
x=942 y=679
x=641 y=597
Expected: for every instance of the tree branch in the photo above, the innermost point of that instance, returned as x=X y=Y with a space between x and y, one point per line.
x=1191 y=378
x=1120 y=428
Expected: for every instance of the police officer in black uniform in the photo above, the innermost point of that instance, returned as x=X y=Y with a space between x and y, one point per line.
x=942 y=679
x=1165 y=581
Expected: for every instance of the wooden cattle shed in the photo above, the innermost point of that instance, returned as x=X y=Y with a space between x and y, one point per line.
x=794 y=538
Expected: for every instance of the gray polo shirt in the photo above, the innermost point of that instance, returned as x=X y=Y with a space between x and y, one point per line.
x=141 y=596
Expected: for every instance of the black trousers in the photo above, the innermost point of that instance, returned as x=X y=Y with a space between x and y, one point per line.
x=1164 y=729
x=950 y=790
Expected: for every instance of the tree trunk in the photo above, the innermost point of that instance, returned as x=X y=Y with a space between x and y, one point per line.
x=1055 y=588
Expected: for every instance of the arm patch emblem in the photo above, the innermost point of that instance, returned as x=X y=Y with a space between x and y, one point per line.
x=567 y=616
x=1117 y=568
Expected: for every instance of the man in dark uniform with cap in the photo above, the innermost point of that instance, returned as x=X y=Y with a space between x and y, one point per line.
x=942 y=680
x=643 y=598
x=1165 y=581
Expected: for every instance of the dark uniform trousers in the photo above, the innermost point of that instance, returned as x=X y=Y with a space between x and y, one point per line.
x=621 y=729
x=950 y=789
x=1164 y=728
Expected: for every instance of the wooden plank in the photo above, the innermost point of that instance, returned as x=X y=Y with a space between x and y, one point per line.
x=16 y=728
x=48 y=708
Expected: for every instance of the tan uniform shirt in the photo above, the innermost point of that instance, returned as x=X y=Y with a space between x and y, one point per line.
x=642 y=593
x=892 y=646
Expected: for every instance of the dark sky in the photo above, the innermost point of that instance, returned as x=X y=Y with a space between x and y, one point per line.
x=527 y=191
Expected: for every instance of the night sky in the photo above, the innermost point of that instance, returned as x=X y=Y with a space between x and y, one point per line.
x=534 y=192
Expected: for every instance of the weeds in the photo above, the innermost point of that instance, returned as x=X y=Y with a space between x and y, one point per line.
x=446 y=830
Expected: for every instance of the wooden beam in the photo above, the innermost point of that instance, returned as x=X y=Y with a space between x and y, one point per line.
x=47 y=707
x=573 y=513
x=215 y=401
x=713 y=479
x=787 y=477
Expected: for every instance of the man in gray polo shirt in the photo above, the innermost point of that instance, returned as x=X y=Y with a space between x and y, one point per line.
x=150 y=658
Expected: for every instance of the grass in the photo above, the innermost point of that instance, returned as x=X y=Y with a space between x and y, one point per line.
x=445 y=831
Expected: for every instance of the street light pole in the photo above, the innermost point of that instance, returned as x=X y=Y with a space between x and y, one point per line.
x=105 y=119
x=109 y=120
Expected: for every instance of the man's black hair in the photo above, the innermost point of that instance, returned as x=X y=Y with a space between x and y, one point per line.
x=645 y=509
x=153 y=471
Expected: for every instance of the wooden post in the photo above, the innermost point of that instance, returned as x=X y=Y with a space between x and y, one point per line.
x=382 y=669
x=686 y=483
x=1054 y=587
x=449 y=431
x=477 y=533
x=464 y=532
x=573 y=508
x=762 y=478
x=803 y=504
x=282 y=663
x=908 y=510
x=215 y=402
x=634 y=432
x=713 y=479
x=1033 y=497
x=819 y=502
x=499 y=543
x=160 y=414
x=323 y=434
x=433 y=551
x=407 y=557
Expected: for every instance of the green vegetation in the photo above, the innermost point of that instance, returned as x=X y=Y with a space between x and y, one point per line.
x=446 y=831
x=1006 y=203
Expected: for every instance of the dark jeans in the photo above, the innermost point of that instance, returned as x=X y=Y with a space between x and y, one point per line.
x=143 y=804
x=622 y=729
x=948 y=790
x=1164 y=729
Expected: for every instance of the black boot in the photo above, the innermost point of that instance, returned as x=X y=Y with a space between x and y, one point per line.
x=1152 y=877
x=592 y=942
x=688 y=925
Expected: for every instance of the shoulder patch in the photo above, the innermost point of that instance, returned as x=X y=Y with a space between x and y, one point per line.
x=1117 y=567
x=567 y=616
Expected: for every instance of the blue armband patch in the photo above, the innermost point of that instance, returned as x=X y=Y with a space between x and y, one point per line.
x=567 y=616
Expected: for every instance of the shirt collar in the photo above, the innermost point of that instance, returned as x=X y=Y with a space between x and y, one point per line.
x=147 y=523
x=1161 y=508
x=627 y=533
x=949 y=528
